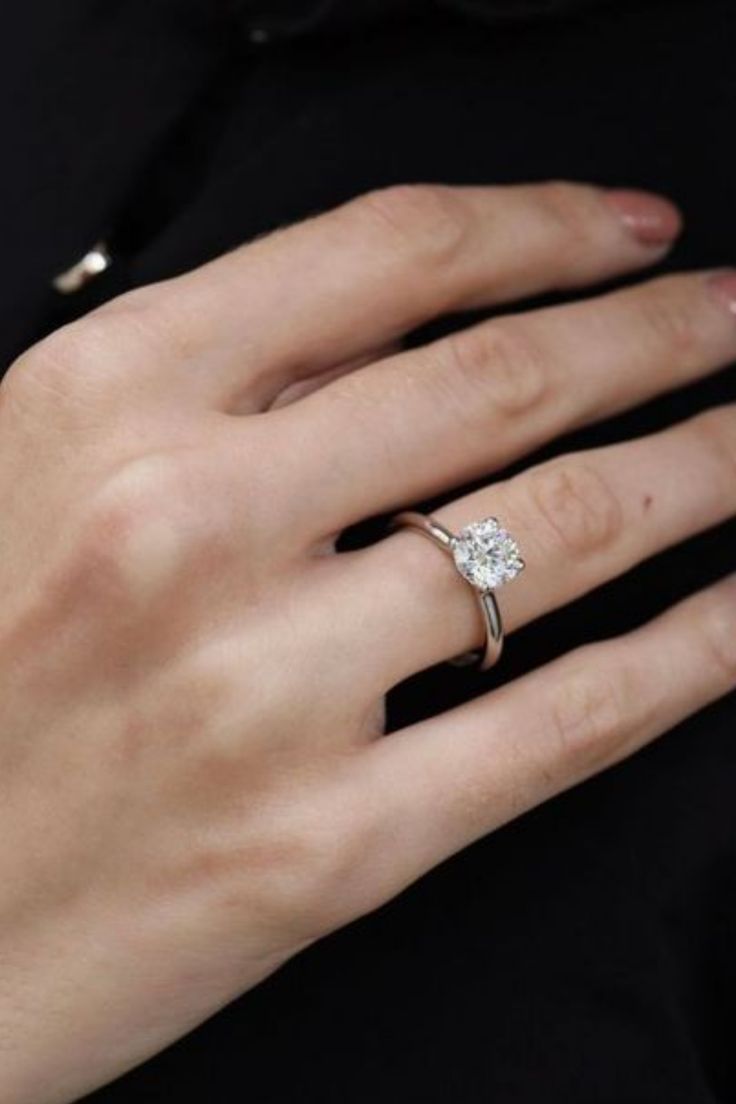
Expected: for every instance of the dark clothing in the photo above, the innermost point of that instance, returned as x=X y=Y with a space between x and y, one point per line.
x=587 y=953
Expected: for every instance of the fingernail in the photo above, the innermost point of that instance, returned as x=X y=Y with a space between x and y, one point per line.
x=652 y=219
x=723 y=286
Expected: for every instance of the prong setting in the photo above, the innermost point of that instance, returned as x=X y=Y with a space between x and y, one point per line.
x=486 y=555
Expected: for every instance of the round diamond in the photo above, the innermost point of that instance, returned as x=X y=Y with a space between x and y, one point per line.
x=486 y=555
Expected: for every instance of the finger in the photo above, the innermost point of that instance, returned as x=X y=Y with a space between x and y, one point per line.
x=579 y=520
x=443 y=783
x=303 y=387
x=323 y=292
x=430 y=419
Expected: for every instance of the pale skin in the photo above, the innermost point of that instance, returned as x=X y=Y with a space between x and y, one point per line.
x=195 y=781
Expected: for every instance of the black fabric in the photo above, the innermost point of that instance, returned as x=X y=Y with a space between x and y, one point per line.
x=294 y=17
x=585 y=954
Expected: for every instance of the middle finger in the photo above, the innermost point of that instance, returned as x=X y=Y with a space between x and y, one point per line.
x=426 y=420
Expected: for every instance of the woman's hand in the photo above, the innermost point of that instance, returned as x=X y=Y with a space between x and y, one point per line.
x=194 y=783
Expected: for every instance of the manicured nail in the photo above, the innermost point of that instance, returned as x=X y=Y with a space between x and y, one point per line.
x=652 y=219
x=723 y=286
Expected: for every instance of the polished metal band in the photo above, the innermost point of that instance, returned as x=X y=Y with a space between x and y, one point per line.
x=490 y=653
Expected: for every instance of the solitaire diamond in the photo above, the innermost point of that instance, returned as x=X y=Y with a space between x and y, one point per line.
x=486 y=555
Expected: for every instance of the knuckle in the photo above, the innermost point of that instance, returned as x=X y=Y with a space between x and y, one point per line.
x=669 y=315
x=715 y=430
x=500 y=366
x=136 y=537
x=426 y=222
x=589 y=715
x=147 y=321
x=580 y=509
x=310 y=867
x=570 y=208
x=62 y=366
x=81 y=365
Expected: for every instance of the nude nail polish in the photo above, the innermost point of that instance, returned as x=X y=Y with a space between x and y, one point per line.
x=723 y=287
x=651 y=219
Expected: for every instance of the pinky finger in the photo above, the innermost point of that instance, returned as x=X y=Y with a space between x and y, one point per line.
x=441 y=784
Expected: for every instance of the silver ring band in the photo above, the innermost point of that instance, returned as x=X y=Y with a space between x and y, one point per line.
x=477 y=572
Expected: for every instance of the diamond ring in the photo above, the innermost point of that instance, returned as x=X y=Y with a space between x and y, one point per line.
x=486 y=556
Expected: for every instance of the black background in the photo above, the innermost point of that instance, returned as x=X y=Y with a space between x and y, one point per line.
x=586 y=953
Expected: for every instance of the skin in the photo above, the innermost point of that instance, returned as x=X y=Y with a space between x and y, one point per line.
x=194 y=783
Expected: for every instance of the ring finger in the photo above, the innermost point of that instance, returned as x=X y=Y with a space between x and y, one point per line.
x=580 y=520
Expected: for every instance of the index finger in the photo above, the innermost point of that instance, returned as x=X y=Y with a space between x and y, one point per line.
x=336 y=286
